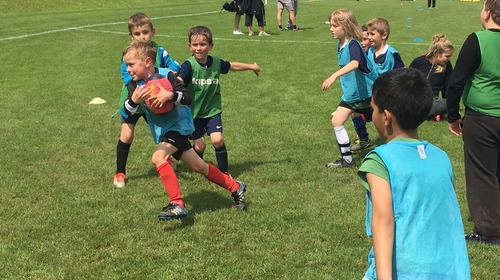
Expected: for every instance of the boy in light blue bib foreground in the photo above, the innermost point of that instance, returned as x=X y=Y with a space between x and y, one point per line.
x=412 y=213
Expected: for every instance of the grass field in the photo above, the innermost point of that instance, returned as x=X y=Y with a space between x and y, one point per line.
x=61 y=217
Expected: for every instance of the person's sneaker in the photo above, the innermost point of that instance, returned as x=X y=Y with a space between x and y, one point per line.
x=479 y=238
x=119 y=180
x=239 y=197
x=339 y=163
x=263 y=33
x=250 y=33
x=360 y=145
x=172 y=212
x=237 y=32
x=298 y=29
x=280 y=29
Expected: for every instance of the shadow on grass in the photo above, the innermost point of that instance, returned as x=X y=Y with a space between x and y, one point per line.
x=202 y=201
x=234 y=169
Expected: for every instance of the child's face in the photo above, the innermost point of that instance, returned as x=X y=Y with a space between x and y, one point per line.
x=137 y=66
x=376 y=39
x=200 y=47
x=444 y=57
x=337 y=31
x=142 y=33
x=366 y=41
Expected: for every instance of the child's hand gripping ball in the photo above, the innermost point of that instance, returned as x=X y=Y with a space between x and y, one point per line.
x=153 y=82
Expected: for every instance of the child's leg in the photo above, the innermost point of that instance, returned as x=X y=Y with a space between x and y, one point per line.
x=212 y=173
x=167 y=174
x=125 y=141
x=199 y=146
x=198 y=135
x=220 y=151
x=214 y=129
x=360 y=126
x=338 y=121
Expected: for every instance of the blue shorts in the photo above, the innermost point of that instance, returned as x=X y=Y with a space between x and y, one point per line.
x=206 y=125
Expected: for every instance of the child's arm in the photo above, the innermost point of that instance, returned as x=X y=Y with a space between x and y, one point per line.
x=351 y=66
x=382 y=225
x=239 y=66
x=136 y=95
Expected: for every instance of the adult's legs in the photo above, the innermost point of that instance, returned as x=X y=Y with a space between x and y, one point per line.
x=481 y=136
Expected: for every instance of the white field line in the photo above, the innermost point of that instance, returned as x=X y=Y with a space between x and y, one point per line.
x=96 y=25
x=87 y=28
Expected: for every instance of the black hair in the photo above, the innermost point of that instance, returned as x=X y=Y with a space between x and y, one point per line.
x=406 y=93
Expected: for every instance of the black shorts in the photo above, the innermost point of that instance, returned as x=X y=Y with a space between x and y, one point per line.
x=361 y=107
x=181 y=142
x=206 y=125
x=133 y=119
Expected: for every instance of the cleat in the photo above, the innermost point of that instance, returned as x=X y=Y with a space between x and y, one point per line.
x=172 y=212
x=237 y=32
x=339 y=163
x=263 y=33
x=250 y=33
x=479 y=238
x=119 y=180
x=239 y=197
x=360 y=145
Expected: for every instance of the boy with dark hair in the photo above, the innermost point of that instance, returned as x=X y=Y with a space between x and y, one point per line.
x=140 y=28
x=200 y=74
x=170 y=130
x=412 y=213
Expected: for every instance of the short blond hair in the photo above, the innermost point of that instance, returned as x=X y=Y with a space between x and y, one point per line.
x=141 y=50
x=379 y=24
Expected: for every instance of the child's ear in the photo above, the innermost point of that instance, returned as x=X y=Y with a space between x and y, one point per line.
x=388 y=118
x=385 y=35
x=153 y=31
x=148 y=61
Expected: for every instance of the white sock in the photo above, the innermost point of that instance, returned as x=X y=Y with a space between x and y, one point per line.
x=344 y=144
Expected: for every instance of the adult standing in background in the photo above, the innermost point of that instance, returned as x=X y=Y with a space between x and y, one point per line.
x=255 y=8
x=476 y=79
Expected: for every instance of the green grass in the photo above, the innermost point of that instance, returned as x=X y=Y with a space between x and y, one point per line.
x=63 y=219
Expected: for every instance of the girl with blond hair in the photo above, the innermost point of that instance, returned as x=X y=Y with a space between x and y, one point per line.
x=436 y=66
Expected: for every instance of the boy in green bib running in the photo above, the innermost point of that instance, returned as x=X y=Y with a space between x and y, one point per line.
x=200 y=74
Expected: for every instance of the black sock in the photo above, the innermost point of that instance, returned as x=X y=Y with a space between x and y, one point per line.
x=122 y=150
x=221 y=155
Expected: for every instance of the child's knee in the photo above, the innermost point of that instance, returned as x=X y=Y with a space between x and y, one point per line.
x=158 y=159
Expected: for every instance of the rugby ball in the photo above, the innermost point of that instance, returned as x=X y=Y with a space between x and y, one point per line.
x=153 y=82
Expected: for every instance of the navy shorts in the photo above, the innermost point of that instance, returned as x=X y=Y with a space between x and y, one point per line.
x=133 y=119
x=206 y=125
x=181 y=142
